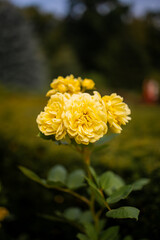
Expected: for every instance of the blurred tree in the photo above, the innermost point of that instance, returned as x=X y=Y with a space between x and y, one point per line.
x=60 y=56
x=99 y=38
x=153 y=39
x=100 y=25
x=127 y=58
x=107 y=40
x=21 y=61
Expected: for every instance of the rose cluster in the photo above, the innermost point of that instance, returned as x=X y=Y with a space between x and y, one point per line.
x=81 y=116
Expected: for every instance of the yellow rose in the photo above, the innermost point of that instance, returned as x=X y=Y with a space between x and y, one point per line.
x=85 y=117
x=88 y=84
x=68 y=84
x=50 y=121
x=117 y=112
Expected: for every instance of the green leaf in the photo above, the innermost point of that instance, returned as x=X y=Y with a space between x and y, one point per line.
x=106 y=180
x=124 y=212
x=110 y=234
x=30 y=174
x=57 y=174
x=76 y=179
x=101 y=224
x=139 y=184
x=100 y=199
x=85 y=217
x=105 y=139
x=65 y=141
x=48 y=137
x=110 y=182
x=119 y=194
x=103 y=142
x=72 y=213
x=94 y=175
x=81 y=236
x=91 y=231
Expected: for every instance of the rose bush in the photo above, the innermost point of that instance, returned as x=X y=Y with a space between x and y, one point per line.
x=84 y=121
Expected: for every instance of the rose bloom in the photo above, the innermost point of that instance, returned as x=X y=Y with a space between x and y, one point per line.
x=50 y=121
x=68 y=84
x=85 y=117
x=88 y=84
x=117 y=112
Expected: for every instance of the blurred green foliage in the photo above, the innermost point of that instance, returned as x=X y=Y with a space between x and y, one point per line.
x=133 y=154
x=100 y=37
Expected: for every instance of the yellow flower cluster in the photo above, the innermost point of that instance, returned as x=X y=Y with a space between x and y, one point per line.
x=85 y=118
x=79 y=115
x=50 y=122
x=70 y=85
x=117 y=112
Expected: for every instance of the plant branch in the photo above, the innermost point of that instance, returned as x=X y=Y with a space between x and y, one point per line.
x=84 y=199
x=66 y=190
x=86 y=157
x=106 y=204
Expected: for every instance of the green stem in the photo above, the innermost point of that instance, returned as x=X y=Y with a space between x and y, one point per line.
x=106 y=204
x=84 y=199
x=86 y=157
x=66 y=190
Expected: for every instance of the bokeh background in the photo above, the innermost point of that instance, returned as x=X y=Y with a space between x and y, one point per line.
x=117 y=44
